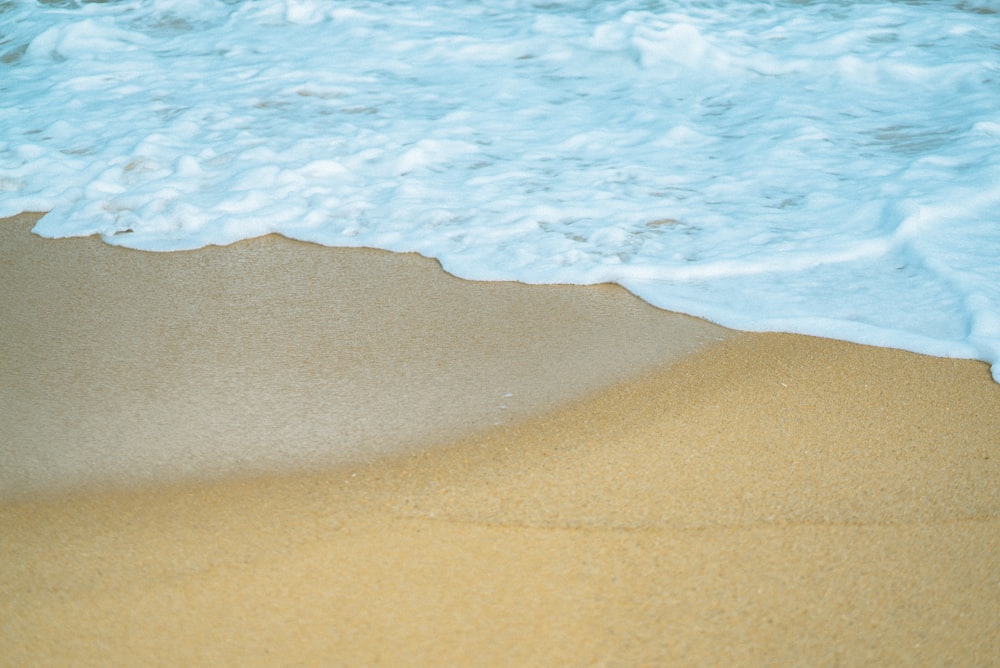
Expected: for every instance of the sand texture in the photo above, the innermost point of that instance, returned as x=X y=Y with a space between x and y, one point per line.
x=762 y=499
x=131 y=367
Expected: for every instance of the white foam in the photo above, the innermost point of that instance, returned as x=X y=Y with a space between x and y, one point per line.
x=824 y=168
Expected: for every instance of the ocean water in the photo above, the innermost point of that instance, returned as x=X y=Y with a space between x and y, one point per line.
x=821 y=167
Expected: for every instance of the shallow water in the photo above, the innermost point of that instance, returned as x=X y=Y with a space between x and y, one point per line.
x=830 y=168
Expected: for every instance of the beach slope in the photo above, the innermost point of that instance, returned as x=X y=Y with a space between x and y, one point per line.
x=743 y=499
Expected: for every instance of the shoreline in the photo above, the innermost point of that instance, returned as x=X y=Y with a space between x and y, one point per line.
x=756 y=500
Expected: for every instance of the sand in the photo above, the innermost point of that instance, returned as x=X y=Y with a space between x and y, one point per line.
x=720 y=499
x=126 y=367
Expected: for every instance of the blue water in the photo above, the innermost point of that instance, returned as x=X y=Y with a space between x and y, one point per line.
x=828 y=168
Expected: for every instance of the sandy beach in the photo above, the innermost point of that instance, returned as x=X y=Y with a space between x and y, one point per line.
x=280 y=454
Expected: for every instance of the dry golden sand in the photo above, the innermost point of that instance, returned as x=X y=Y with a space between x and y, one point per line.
x=769 y=500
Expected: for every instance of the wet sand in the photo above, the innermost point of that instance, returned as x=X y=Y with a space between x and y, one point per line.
x=126 y=367
x=719 y=499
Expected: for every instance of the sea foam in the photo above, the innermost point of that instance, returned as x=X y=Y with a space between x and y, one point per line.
x=825 y=168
